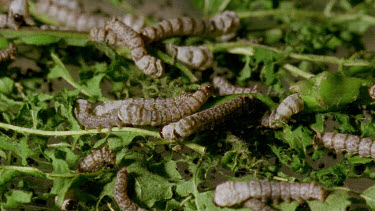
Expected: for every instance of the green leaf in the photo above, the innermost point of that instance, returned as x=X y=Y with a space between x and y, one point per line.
x=118 y=140
x=6 y=85
x=9 y=173
x=298 y=139
x=16 y=197
x=211 y=7
x=337 y=200
x=40 y=39
x=245 y=73
x=21 y=149
x=369 y=196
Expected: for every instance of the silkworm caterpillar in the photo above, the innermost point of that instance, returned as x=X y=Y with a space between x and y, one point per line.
x=8 y=53
x=96 y=159
x=230 y=193
x=148 y=64
x=194 y=57
x=205 y=119
x=120 y=192
x=136 y=114
x=351 y=144
x=257 y=205
x=293 y=104
x=221 y=24
x=223 y=87
x=79 y=21
x=371 y=91
x=71 y=4
x=18 y=15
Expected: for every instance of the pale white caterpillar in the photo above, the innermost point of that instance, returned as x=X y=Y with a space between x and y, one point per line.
x=223 y=87
x=225 y=23
x=140 y=111
x=96 y=159
x=194 y=57
x=18 y=14
x=257 y=205
x=351 y=144
x=205 y=119
x=148 y=64
x=8 y=53
x=371 y=92
x=74 y=19
x=120 y=192
x=231 y=193
x=293 y=104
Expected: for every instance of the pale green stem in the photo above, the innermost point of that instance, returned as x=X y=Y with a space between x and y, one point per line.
x=295 y=70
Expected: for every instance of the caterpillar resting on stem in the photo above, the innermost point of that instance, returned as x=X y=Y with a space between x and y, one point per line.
x=205 y=119
x=96 y=159
x=223 y=87
x=291 y=105
x=351 y=144
x=231 y=193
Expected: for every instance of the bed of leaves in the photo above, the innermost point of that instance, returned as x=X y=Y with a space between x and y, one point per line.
x=316 y=49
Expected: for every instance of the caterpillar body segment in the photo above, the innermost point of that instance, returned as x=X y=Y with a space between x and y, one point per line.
x=137 y=114
x=293 y=104
x=8 y=53
x=148 y=64
x=257 y=205
x=221 y=24
x=223 y=87
x=205 y=119
x=120 y=192
x=18 y=15
x=231 y=193
x=351 y=144
x=96 y=159
x=71 y=4
x=194 y=57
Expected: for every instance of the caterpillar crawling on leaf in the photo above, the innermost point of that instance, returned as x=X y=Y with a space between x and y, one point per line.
x=232 y=193
x=140 y=111
x=225 y=23
x=96 y=159
x=291 y=105
x=120 y=192
x=8 y=53
x=17 y=16
x=351 y=144
x=223 y=87
x=206 y=119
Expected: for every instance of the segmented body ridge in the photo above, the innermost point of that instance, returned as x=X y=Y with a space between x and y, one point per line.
x=194 y=57
x=351 y=144
x=205 y=119
x=120 y=192
x=96 y=159
x=223 y=87
x=231 y=193
x=8 y=53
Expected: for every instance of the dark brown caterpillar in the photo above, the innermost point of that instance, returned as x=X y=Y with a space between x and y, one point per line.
x=223 y=87
x=136 y=114
x=351 y=144
x=74 y=19
x=225 y=23
x=205 y=119
x=96 y=159
x=257 y=205
x=8 y=53
x=194 y=57
x=371 y=92
x=17 y=16
x=231 y=193
x=148 y=64
x=120 y=192
x=291 y=105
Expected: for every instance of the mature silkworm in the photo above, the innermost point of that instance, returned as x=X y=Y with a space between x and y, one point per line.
x=79 y=21
x=351 y=144
x=194 y=57
x=291 y=105
x=8 y=53
x=257 y=205
x=371 y=92
x=120 y=192
x=148 y=64
x=96 y=159
x=230 y=193
x=221 y=24
x=18 y=14
x=205 y=119
x=223 y=87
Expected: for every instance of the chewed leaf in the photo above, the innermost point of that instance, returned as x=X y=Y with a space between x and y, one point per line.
x=338 y=200
x=15 y=198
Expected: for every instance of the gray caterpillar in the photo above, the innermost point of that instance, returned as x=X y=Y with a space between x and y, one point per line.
x=194 y=57
x=223 y=87
x=231 y=193
x=225 y=23
x=96 y=159
x=351 y=144
x=8 y=53
x=148 y=64
x=205 y=119
x=140 y=111
x=74 y=19
x=120 y=192
x=291 y=105
x=18 y=15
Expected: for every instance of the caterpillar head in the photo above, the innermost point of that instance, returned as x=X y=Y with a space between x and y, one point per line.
x=317 y=141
